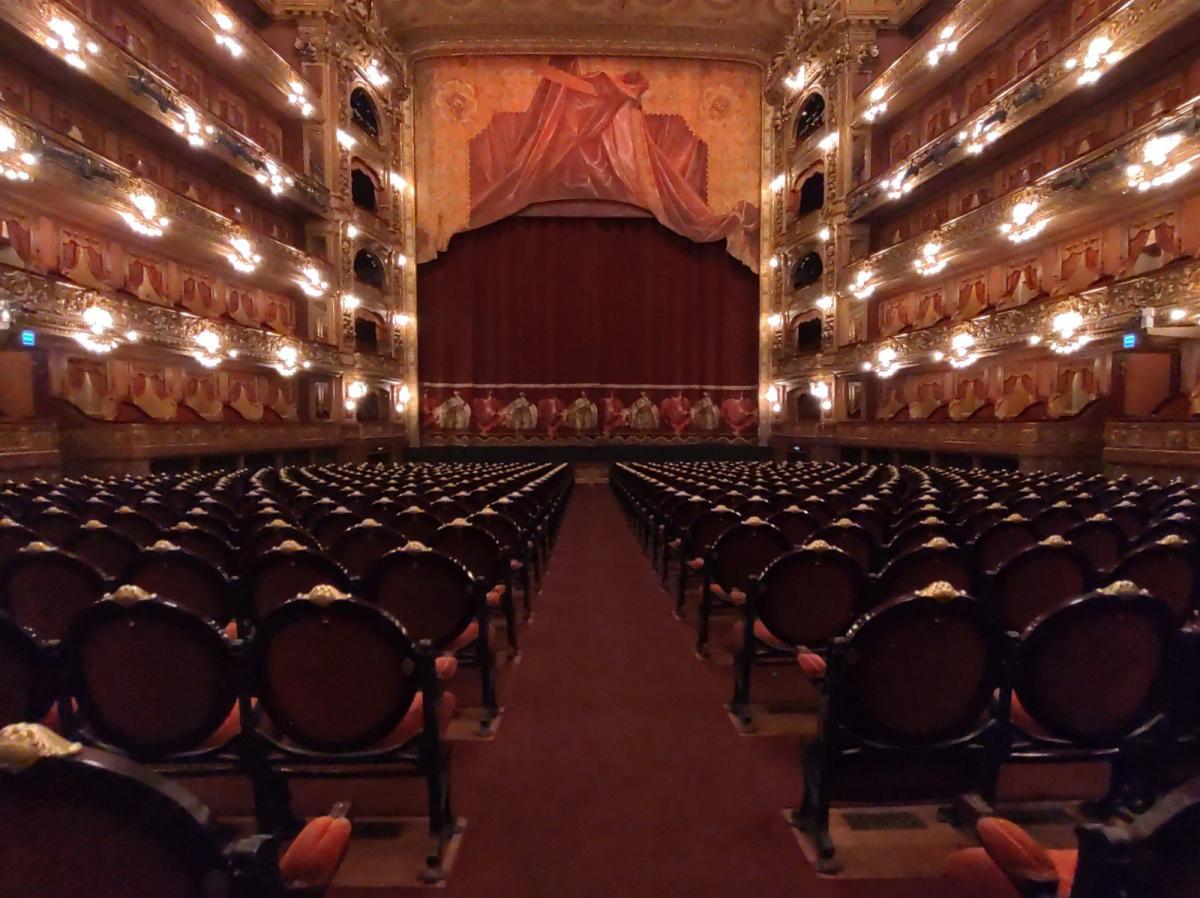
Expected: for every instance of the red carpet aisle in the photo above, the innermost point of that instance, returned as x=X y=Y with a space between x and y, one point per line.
x=615 y=773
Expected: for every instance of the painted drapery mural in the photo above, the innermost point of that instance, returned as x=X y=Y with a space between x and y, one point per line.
x=678 y=139
x=554 y=301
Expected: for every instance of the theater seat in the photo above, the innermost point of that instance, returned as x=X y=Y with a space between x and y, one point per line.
x=1010 y=863
x=315 y=855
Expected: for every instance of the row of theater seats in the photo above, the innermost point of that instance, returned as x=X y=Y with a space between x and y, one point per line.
x=284 y=654
x=955 y=621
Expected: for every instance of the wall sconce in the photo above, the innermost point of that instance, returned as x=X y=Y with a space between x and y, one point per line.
x=775 y=321
x=797 y=79
x=828 y=142
x=778 y=183
x=825 y=303
x=1154 y=169
x=402 y=398
x=886 y=363
x=350 y=302
x=401 y=261
x=355 y=390
x=983 y=133
x=400 y=319
x=208 y=349
x=399 y=182
x=773 y=262
x=312 y=282
x=98 y=336
x=298 y=97
x=1066 y=327
x=144 y=218
x=774 y=397
x=961 y=355
x=242 y=255
x=377 y=76
x=945 y=46
x=345 y=140
x=274 y=178
x=1095 y=61
x=1023 y=227
x=287 y=360
x=878 y=104
x=188 y=125
x=862 y=287
x=14 y=163
x=824 y=235
x=898 y=184
x=819 y=390
x=65 y=41
x=929 y=262
x=351 y=231
x=225 y=39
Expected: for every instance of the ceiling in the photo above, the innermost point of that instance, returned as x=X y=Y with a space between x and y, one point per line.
x=725 y=29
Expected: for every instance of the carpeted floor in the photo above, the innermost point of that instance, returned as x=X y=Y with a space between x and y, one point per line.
x=616 y=773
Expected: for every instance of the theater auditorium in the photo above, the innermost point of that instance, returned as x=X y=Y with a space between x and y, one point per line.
x=600 y=448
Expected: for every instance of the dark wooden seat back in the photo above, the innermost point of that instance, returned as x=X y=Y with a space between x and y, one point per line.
x=363 y=544
x=106 y=549
x=433 y=596
x=43 y=588
x=184 y=579
x=25 y=687
x=287 y=571
x=743 y=552
x=937 y=560
x=811 y=595
x=1169 y=571
x=1037 y=580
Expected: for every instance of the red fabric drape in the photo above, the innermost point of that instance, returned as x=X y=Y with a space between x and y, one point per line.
x=585 y=136
x=545 y=304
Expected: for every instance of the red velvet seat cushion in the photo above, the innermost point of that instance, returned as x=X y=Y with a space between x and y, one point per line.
x=1021 y=858
x=315 y=855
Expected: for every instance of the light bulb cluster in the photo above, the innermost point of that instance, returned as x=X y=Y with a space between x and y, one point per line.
x=374 y=74
x=1156 y=168
x=898 y=185
x=64 y=40
x=828 y=142
x=403 y=397
x=350 y=302
x=819 y=390
x=241 y=255
x=961 y=354
x=143 y=218
x=863 y=285
x=274 y=178
x=400 y=319
x=796 y=79
x=224 y=36
x=399 y=182
x=946 y=46
x=208 y=349
x=1067 y=337
x=1023 y=226
x=298 y=97
x=312 y=282
x=345 y=139
x=774 y=397
x=887 y=362
x=775 y=321
x=979 y=136
x=355 y=390
x=878 y=104
x=187 y=124
x=15 y=163
x=1095 y=60
x=778 y=183
x=288 y=362
x=98 y=336
x=930 y=261
x=825 y=303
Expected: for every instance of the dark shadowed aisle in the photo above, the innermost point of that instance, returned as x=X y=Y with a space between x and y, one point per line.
x=616 y=773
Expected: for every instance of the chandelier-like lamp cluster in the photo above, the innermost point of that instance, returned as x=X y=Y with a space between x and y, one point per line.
x=1023 y=226
x=930 y=261
x=144 y=218
x=863 y=285
x=15 y=163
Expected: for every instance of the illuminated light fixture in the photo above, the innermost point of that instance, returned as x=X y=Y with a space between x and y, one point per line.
x=287 y=360
x=97 y=338
x=829 y=141
x=824 y=303
x=1177 y=314
x=403 y=398
x=886 y=362
x=1155 y=169
x=226 y=24
x=132 y=336
x=233 y=353
x=1023 y=226
x=1066 y=327
x=187 y=124
x=65 y=41
x=400 y=319
x=898 y=184
x=945 y=46
x=351 y=231
x=1095 y=61
x=1035 y=339
x=242 y=255
x=356 y=389
x=778 y=183
x=208 y=349
x=298 y=97
x=824 y=234
x=377 y=76
x=312 y=282
x=797 y=79
x=399 y=182
x=929 y=262
x=819 y=390
x=402 y=261
x=775 y=321
x=14 y=165
x=937 y=355
x=774 y=397
x=351 y=406
x=773 y=262
x=144 y=219
x=878 y=104
x=867 y=366
x=961 y=355
x=345 y=140
x=983 y=133
x=862 y=286
x=350 y=302
x=274 y=178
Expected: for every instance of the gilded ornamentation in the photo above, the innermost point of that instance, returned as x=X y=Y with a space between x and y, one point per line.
x=325 y=595
x=939 y=590
x=24 y=744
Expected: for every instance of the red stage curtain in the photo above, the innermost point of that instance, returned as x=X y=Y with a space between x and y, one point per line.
x=586 y=300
